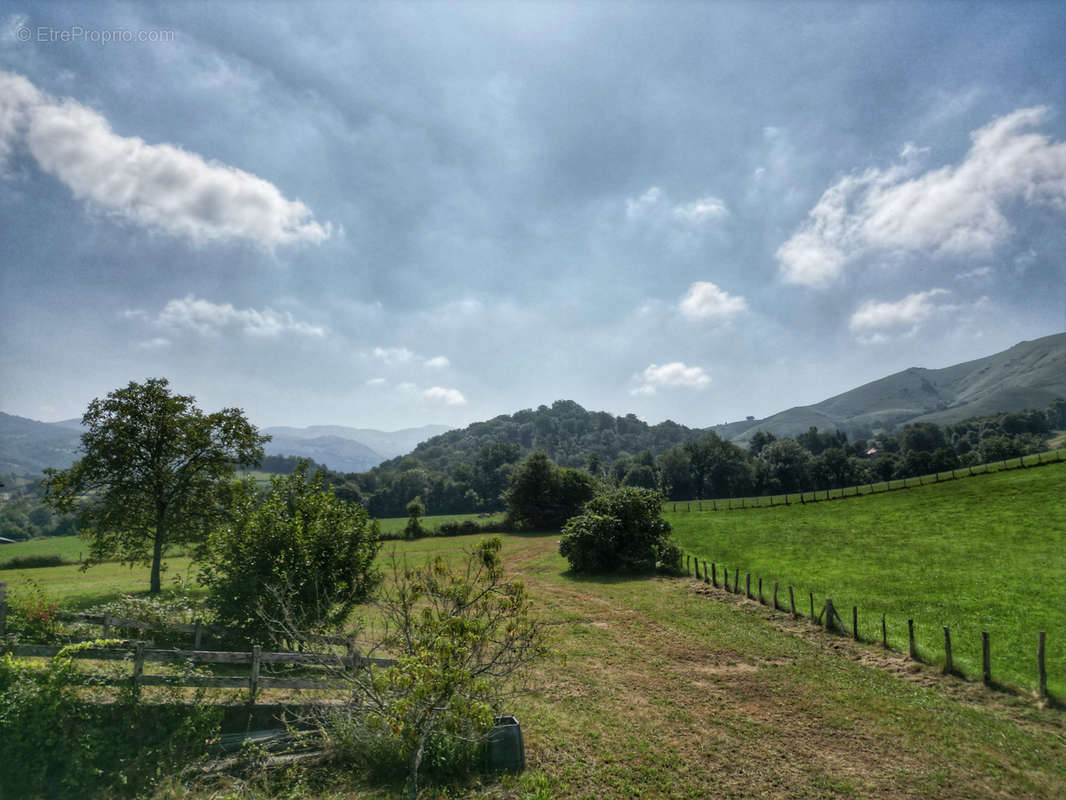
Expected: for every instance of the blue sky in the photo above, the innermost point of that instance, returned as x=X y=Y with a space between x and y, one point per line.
x=386 y=214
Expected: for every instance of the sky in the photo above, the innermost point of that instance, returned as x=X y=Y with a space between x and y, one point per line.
x=389 y=214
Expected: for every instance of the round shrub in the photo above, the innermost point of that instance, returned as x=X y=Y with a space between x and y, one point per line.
x=620 y=530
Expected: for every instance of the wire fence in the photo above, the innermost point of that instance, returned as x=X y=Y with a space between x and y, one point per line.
x=829 y=617
x=822 y=495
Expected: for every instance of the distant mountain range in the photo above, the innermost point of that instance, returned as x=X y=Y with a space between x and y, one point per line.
x=28 y=446
x=1028 y=375
x=347 y=449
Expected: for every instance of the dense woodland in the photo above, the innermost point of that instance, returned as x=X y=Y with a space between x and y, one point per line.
x=467 y=470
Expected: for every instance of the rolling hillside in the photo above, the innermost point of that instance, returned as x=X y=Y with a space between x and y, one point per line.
x=1028 y=375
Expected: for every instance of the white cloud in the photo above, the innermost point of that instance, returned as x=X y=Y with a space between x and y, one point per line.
x=673 y=375
x=974 y=274
x=160 y=186
x=207 y=318
x=953 y=210
x=875 y=320
x=157 y=343
x=393 y=355
x=451 y=397
x=704 y=300
x=437 y=362
x=637 y=208
x=654 y=206
x=706 y=209
x=376 y=382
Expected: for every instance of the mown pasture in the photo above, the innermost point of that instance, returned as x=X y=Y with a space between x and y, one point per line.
x=986 y=553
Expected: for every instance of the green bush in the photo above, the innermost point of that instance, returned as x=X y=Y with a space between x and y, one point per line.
x=58 y=743
x=299 y=560
x=620 y=530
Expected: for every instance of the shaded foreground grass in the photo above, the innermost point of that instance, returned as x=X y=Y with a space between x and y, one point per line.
x=983 y=554
x=657 y=691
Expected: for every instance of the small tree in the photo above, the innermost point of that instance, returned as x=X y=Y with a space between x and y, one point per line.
x=415 y=511
x=620 y=530
x=460 y=636
x=151 y=474
x=301 y=554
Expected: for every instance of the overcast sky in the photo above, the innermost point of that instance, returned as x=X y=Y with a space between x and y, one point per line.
x=386 y=215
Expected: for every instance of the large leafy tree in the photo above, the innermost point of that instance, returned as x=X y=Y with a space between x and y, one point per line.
x=154 y=473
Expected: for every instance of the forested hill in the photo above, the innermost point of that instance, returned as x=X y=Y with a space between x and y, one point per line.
x=568 y=433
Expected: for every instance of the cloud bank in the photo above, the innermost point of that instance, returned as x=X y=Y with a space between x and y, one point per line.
x=161 y=186
x=209 y=319
x=954 y=210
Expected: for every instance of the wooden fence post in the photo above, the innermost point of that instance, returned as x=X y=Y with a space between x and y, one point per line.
x=884 y=633
x=107 y=626
x=1040 y=666
x=714 y=575
x=198 y=633
x=747 y=585
x=253 y=681
x=948 y=667
x=855 y=623
x=910 y=636
x=792 y=601
x=812 y=606
x=775 y=595
x=725 y=577
x=830 y=612
x=138 y=668
x=986 y=659
x=760 y=593
x=3 y=607
x=736 y=581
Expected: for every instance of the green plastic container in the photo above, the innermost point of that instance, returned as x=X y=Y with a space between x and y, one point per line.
x=504 y=749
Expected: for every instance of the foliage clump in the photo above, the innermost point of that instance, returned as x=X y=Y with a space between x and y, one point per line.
x=300 y=556
x=543 y=496
x=58 y=742
x=620 y=530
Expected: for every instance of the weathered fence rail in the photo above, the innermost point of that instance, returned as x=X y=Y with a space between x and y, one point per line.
x=137 y=654
x=860 y=490
x=829 y=618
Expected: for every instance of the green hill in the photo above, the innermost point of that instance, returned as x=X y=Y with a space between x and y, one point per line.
x=1028 y=375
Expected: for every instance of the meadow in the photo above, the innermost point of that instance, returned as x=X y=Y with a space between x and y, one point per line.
x=656 y=689
x=986 y=553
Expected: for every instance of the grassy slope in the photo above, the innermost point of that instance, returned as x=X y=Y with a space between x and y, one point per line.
x=981 y=554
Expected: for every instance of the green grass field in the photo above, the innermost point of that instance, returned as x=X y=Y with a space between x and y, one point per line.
x=397 y=524
x=656 y=690
x=982 y=554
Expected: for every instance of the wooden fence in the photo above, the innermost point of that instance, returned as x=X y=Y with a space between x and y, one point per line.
x=138 y=653
x=821 y=495
x=829 y=617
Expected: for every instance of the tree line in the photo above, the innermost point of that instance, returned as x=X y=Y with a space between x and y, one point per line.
x=469 y=470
